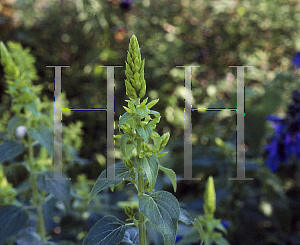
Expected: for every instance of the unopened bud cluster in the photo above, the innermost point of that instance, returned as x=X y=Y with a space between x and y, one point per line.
x=135 y=82
x=210 y=197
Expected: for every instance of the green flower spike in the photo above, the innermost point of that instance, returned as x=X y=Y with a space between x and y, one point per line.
x=210 y=197
x=135 y=82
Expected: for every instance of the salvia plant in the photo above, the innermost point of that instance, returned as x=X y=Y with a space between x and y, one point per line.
x=140 y=167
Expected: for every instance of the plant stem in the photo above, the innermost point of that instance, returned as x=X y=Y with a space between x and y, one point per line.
x=40 y=229
x=142 y=228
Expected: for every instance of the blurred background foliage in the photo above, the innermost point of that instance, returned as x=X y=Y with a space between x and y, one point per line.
x=86 y=34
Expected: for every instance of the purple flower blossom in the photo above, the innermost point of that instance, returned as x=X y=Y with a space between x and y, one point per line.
x=178 y=238
x=286 y=141
x=226 y=223
x=296 y=60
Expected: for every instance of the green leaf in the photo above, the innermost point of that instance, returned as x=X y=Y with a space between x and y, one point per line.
x=220 y=227
x=45 y=137
x=10 y=149
x=12 y=219
x=125 y=117
x=150 y=166
x=191 y=238
x=160 y=155
x=163 y=211
x=126 y=149
x=152 y=103
x=144 y=102
x=171 y=174
x=13 y=123
x=145 y=132
x=33 y=108
x=148 y=131
x=142 y=111
x=120 y=172
x=185 y=217
x=28 y=238
x=157 y=140
x=154 y=112
x=58 y=188
x=107 y=231
x=131 y=105
x=221 y=241
x=199 y=227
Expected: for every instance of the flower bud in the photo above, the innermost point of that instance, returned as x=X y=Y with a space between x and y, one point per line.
x=147 y=186
x=21 y=131
x=126 y=129
x=128 y=163
x=129 y=212
x=164 y=140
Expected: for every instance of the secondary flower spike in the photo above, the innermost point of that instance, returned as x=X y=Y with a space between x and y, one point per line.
x=210 y=197
x=135 y=82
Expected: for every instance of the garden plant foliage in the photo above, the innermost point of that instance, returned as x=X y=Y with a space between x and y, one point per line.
x=160 y=208
x=89 y=35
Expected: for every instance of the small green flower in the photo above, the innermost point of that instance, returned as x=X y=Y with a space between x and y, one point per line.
x=135 y=82
x=129 y=212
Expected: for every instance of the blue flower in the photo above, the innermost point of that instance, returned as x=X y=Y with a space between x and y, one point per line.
x=296 y=60
x=286 y=141
x=178 y=238
x=276 y=149
x=225 y=223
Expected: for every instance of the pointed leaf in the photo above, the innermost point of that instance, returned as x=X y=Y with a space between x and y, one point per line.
x=45 y=137
x=185 y=217
x=125 y=117
x=142 y=111
x=171 y=174
x=199 y=227
x=10 y=149
x=153 y=112
x=58 y=188
x=148 y=131
x=12 y=219
x=107 y=231
x=163 y=211
x=157 y=140
x=28 y=238
x=124 y=147
x=145 y=132
x=150 y=165
x=220 y=227
x=33 y=108
x=222 y=241
x=120 y=172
